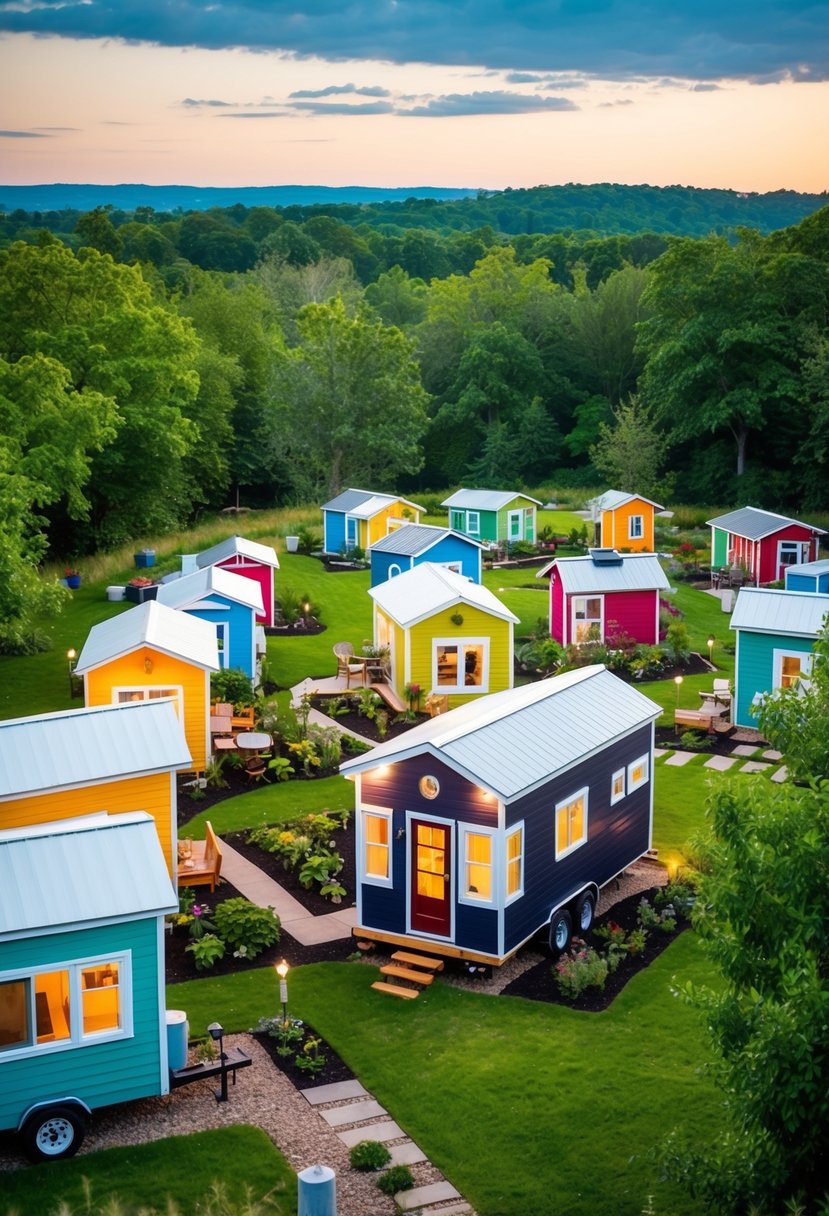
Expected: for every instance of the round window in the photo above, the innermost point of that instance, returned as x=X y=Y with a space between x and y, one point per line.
x=429 y=787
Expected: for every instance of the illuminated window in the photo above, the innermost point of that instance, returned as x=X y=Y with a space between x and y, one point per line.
x=636 y=527
x=617 y=786
x=377 y=847
x=477 y=866
x=790 y=666
x=65 y=1007
x=515 y=863
x=15 y=1026
x=587 y=619
x=638 y=773
x=101 y=998
x=121 y=696
x=571 y=823
x=460 y=666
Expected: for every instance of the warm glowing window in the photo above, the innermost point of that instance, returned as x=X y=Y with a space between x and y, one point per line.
x=101 y=998
x=52 y=1006
x=571 y=823
x=14 y=1014
x=66 y=1006
x=121 y=696
x=431 y=861
x=791 y=666
x=376 y=829
x=638 y=773
x=460 y=665
x=477 y=882
x=617 y=786
x=636 y=527
x=587 y=619
x=515 y=862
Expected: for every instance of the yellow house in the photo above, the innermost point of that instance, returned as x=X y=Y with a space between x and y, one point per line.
x=444 y=633
x=84 y=761
x=150 y=652
x=624 y=521
x=357 y=519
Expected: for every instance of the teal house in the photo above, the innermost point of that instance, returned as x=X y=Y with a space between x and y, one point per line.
x=776 y=631
x=495 y=517
x=82 y=1016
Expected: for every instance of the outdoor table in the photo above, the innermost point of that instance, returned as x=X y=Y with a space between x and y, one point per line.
x=253 y=741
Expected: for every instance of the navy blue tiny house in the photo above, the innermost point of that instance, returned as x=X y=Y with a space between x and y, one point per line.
x=415 y=543
x=504 y=817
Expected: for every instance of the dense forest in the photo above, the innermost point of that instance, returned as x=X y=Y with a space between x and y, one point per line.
x=153 y=366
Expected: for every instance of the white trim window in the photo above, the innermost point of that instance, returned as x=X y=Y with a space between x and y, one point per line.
x=123 y=695
x=617 y=786
x=477 y=862
x=223 y=642
x=376 y=846
x=638 y=773
x=636 y=527
x=514 y=885
x=790 y=666
x=791 y=553
x=352 y=531
x=460 y=665
x=571 y=823
x=473 y=523
x=65 y=1005
x=588 y=619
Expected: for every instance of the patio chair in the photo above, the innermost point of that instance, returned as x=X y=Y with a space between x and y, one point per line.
x=255 y=768
x=345 y=667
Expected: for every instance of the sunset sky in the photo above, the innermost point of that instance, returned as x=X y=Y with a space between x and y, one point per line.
x=471 y=93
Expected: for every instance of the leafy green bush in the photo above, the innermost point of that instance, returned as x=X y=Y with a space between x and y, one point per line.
x=232 y=684
x=398 y=1178
x=244 y=926
x=650 y=918
x=580 y=968
x=311 y=1059
x=369 y=1155
x=206 y=951
x=695 y=741
x=677 y=642
x=320 y=867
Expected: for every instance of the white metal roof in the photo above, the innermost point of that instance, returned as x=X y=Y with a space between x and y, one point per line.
x=635 y=572
x=795 y=613
x=611 y=499
x=77 y=746
x=754 y=524
x=93 y=868
x=190 y=589
x=155 y=625
x=512 y=741
x=412 y=539
x=364 y=504
x=485 y=500
x=428 y=588
x=818 y=567
x=238 y=546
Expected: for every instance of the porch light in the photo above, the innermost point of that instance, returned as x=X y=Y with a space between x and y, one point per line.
x=71 y=655
x=678 y=683
x=282 y=971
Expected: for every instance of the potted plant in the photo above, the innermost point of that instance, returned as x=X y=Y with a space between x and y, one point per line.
x=72 y=577
x=140 y=589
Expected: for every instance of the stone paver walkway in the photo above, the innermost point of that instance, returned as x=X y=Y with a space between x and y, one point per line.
x=754 y=766
x=720 y=764
x=679 y=758
x=744 y=749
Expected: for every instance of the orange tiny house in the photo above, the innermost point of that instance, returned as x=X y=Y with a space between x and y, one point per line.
x=624 y=521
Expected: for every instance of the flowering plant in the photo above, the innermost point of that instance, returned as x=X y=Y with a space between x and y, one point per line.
x=140 y=581
x=71 y=572
x=412 y=694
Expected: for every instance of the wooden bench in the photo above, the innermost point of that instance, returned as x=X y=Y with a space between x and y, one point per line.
x=392 y=698
x=205 y=863
x=695 y=719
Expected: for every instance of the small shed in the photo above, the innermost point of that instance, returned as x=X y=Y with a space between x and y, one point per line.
x=496 y=517
x=605 y=595
x=776 y=632
x=228 y=602
x=624 y=521
x=809 y=576
x=763 y=543
x=444 y=633
x=82 y=1017
x=250 y=559
x=152 y=651
x=357 y=519
x=110 y=758
x=475 y=828
x=415 y=543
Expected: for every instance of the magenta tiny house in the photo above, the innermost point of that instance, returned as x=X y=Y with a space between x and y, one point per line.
x=605 y=595
x=251 y=560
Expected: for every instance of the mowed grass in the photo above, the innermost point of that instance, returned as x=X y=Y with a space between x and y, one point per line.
x=274 y=804
x=527 y=1107
x=179 y=1168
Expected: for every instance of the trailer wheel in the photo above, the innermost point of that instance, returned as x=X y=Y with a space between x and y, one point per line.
x=561 y=930
x=585 y=911
x=54 y=1132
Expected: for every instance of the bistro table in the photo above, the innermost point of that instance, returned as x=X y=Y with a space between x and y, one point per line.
x=253 y=741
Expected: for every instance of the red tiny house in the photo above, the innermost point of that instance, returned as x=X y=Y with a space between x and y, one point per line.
x=762 y=543
x=251 y=560
x=605 y=595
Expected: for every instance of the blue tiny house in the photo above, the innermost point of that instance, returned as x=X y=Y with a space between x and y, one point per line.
x=776 y=632
x=82 y=1017
x=357 y=519
x=228 y=602
x=504 y=817
x=809 y=576
x=415 y=543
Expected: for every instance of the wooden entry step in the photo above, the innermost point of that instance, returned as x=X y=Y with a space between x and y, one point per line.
x=417 y=960
x=396 y=990
x=406 y=973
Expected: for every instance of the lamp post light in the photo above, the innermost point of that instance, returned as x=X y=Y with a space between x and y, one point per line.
x=71 y=656
x=282 y=972
x=216 y=1032
x=711 y=641
x=678 y=683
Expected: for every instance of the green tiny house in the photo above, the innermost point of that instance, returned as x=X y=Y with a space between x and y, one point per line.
x=496 y=517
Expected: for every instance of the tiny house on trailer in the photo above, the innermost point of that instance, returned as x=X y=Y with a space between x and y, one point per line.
x=603 y=595
x=504 y=817
x=82 y=1017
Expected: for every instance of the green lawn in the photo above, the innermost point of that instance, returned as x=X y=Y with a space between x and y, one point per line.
x=526 y=1107
x=180 y=1168
x=274 y=804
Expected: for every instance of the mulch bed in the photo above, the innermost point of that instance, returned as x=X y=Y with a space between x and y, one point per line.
x=332 y=1071
x=298 y=629
x=311 y=900
x=722 y=743
x=362 y=725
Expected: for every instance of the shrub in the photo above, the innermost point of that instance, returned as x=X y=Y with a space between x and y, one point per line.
x=247 y=927
x=320 y=867
x=369 y=1155
x=695 y=741
x=650 y=918
x=288 y=1032
x=580 y=968
x=398 y=1178
x=214 y=772
x=232 y=684
x=311 y=1059
x=206 y=950
x=677 y=642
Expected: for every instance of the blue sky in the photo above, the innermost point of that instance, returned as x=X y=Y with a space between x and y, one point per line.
x=493 y=93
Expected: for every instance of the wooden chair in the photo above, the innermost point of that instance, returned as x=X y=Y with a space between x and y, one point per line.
x=255 y=768
x=205 y=862
x=244 y=719
x=345 y=652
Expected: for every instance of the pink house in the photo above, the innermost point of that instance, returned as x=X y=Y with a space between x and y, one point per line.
x=604 y=594
x=763 y=543
x=251 y=560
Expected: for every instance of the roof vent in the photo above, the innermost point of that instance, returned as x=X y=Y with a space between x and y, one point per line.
x=605 y=557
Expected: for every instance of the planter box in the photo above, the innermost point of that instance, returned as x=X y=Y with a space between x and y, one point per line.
x=144 y=559
x=292 y=543
x=137 y=595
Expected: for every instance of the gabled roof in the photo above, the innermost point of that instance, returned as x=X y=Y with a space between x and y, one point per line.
x=790 y=613
x=364 y=504
x=79 y=871
x=151 y=624
x=819 y=567
x=190 y=589
x=419 y=593
x=512 y=741
x=412 y=539
x=78 y=746
x=612 y=499
x=754 y=524
x=633 y=572
x=237 y=546
x=485 y=500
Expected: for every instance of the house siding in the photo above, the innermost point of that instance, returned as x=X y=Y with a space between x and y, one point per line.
x=99 y=1074
x=377 y=527
x=519 y=503
x=615 y=528
x=476 y=623
x=381 y=563
x=755 y=667
x=168 y=672
x=808 y=582
x=635 y=613
x=241 y=623
x=719 y=547
x=333 y=527
x=558 y=627
x=152 y=793
x=259 y=573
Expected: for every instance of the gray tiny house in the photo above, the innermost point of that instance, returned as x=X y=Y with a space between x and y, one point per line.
x=504 y=817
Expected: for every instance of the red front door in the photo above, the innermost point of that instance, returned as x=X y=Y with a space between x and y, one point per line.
x=431 y=877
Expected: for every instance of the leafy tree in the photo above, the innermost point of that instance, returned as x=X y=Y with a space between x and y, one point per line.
x=96 y=231
x=604 y=324
x=397 y=299
x=630 y=453
x=795 y=720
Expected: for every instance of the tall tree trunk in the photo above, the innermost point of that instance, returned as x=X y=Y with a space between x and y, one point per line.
x=740 y=433
x=335 y=480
